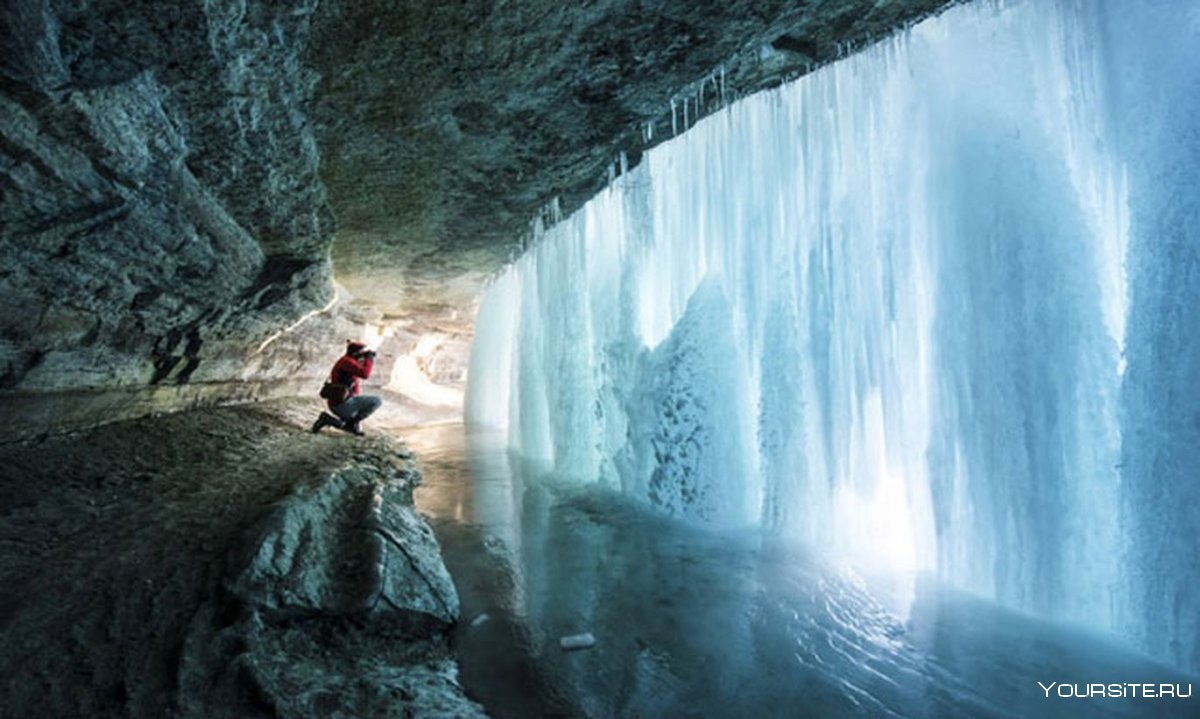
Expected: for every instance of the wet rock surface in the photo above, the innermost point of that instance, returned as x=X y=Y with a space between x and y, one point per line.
x=220 y=564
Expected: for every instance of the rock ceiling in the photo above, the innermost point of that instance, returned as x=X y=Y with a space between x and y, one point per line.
x=445 y=127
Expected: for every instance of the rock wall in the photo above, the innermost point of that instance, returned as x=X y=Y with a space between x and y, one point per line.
x=161 y=211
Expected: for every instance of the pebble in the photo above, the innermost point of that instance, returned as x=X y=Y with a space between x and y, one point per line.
x=573 y=642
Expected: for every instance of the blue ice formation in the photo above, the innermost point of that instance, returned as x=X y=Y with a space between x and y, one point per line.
x=935 y=305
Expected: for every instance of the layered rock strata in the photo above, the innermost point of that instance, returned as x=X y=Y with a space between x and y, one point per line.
x=161 y=212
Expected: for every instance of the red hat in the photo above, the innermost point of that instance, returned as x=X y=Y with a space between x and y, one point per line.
x=353 y=347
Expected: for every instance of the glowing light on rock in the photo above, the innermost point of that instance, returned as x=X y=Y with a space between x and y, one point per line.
x=410 y=378
x=295 y=325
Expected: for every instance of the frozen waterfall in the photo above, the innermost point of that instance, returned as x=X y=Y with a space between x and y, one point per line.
x=935 y=305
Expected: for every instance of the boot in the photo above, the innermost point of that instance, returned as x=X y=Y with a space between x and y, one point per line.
x=352 y=427
x=326 y=420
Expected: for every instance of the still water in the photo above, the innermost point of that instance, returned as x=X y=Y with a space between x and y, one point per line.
x=690 y=622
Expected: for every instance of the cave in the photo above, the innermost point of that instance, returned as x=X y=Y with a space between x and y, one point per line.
x=820 y=358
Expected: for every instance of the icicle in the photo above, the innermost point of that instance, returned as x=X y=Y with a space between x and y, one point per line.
x=807 y=316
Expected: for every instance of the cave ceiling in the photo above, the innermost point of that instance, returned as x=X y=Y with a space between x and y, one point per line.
x=445 y=128
x=175 y=177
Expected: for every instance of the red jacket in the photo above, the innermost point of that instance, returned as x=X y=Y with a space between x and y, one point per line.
x=348 y=370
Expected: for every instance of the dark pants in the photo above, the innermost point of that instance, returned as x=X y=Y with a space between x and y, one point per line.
x=358 y=408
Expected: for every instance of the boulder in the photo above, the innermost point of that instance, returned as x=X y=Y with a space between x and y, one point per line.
x=347 y=547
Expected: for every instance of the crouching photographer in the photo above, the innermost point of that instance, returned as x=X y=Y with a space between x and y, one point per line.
x=341 y=392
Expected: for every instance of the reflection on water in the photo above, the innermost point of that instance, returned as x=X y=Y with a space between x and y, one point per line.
x=689 y=622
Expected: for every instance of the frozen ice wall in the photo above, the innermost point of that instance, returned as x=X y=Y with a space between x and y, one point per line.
x=1156 y=111
x=933 y=306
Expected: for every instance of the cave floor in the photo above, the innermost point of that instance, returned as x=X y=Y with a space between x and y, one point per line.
x=115 y=551
x=690 y=622
x=116 y=545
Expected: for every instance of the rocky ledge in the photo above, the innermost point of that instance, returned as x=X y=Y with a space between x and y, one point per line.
x=221 y=564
